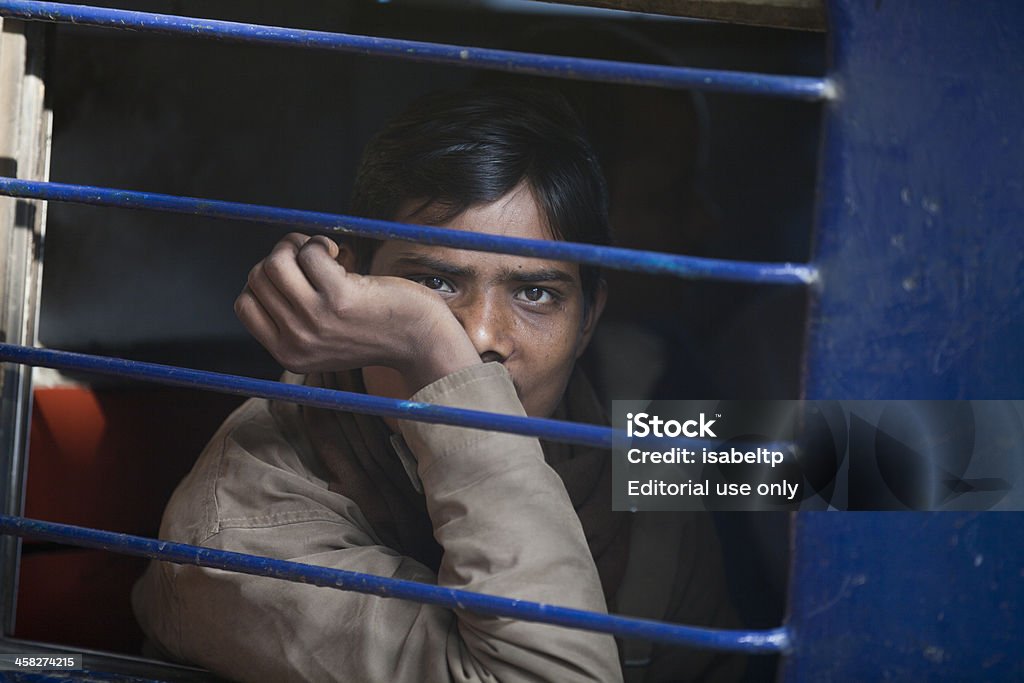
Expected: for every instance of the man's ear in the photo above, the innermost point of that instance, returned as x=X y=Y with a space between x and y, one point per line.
x=593 y=314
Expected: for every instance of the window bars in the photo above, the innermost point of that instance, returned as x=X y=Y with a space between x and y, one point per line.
x=793 y=87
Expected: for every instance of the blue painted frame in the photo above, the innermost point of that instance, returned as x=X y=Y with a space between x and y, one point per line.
x=921 y=295
x=921 y=254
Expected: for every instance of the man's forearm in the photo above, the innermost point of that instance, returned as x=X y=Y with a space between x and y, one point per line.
x=508 y=528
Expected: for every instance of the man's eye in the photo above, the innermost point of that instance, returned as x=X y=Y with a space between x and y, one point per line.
x=438 y=284
x=535 y=295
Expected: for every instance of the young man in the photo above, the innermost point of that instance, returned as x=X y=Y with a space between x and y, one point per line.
x=469 y=509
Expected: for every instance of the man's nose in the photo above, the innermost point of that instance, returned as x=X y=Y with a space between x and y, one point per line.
x=488 y=323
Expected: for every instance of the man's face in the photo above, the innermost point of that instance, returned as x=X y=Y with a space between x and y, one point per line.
x=525 y=313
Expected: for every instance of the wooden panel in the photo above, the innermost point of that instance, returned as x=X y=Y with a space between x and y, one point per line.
x=24 y=150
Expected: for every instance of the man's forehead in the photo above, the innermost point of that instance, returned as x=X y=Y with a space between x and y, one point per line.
x=515 y=214
x=395 y=254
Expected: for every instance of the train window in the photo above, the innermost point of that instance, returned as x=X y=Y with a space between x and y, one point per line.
x=718 y=172
x=718 y=175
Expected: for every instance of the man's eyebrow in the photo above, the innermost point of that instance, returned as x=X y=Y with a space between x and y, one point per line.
x=507 y=275
x=539 y=275
x=438 y=265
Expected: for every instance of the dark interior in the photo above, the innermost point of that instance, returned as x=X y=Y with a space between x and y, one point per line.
x=714 y=175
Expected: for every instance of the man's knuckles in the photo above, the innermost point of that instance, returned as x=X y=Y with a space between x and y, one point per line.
x=329 y=246
x=315 y=257
x=255 y=273
x=292 y=242
x=278 y=267
x=246 y=306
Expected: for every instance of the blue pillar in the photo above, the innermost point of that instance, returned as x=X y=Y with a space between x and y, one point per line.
x=921 y=253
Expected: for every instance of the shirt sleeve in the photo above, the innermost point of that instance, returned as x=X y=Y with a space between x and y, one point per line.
x=500 y=513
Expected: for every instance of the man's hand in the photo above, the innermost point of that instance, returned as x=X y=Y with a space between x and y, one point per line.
x=313 y=315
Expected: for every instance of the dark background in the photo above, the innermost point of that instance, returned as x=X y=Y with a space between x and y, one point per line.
x=704 y=174
x=710 y=175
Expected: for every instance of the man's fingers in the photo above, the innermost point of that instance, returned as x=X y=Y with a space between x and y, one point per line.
x=317 y=258
x=269 y=296
x=332 y=247
x=293 y=239
x=283 y=270
x=255 y=318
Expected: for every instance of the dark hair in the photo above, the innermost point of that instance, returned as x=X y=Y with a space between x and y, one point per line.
x=456 y=150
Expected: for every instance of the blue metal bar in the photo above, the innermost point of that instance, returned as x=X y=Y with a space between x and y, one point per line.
x=540 y=427
x=610 y=257
x=797 y=87
x=544 y=428
x=753 y=642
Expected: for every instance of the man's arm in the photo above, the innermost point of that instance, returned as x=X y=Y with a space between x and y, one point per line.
x=508 y=528
x=500 y=513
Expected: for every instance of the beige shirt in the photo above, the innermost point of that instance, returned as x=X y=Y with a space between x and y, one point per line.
x=500 y=513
